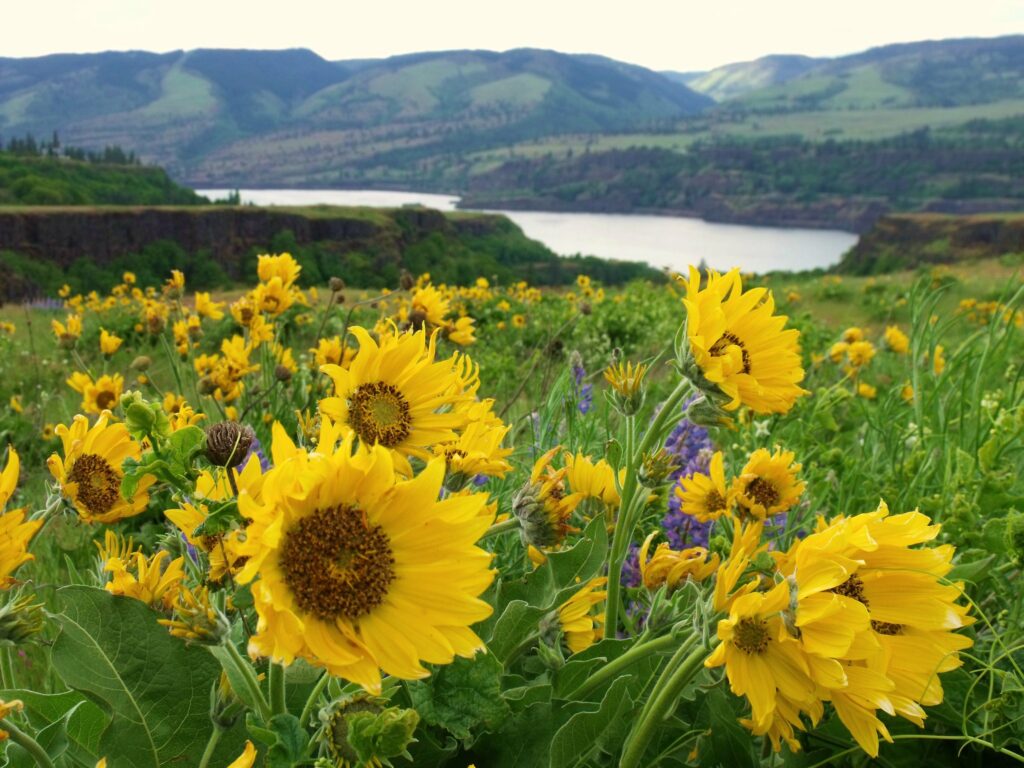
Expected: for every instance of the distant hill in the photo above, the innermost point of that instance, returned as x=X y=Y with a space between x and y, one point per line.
x=292 y=117
x=942 y=73
x=733 y=80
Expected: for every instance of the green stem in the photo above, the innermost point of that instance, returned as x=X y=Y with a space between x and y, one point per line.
x=307 y=710
x=668 y=410
x=616 y=552
x=29 y=744
x=502 y=527
x=660 y=706
x=277 y=699
x=7 y=669
x=211 y=746
x=245 y=670
x=615 y=666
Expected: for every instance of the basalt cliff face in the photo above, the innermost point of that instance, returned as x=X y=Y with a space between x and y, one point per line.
x=63 y=235
x=905 y=241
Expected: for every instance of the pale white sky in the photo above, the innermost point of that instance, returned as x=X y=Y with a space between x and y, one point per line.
x=661 y=34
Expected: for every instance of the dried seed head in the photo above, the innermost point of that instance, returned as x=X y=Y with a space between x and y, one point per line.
x=228 y=443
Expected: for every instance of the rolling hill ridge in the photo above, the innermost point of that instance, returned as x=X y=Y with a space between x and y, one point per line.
x=292 y=116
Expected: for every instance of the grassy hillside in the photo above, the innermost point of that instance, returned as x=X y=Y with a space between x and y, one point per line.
x=60 y=181
x=731 y=80
x=933 y=73
x=291 y=117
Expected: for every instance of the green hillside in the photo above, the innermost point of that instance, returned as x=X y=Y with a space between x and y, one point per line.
x=732 y=80
x=62 y=181
x=938 y=74
x=291 y=117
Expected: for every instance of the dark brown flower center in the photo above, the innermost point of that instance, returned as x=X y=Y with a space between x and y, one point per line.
x=885 y=628
x=763 y=492
x=713 y=502
x=727 y=340
x=99 y=485
x=379 y=413
x=105 y=399
x=853 y=588
x=751 y=635
x=336 y=565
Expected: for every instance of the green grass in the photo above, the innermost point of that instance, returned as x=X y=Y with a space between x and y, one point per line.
x=184 y=94
x=521 y=90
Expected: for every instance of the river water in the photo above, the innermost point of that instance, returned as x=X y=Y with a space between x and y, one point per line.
x=662 y=241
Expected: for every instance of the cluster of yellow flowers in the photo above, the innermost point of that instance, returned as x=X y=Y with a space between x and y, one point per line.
x=985 y=312
x=855 y=616
x=340 y=537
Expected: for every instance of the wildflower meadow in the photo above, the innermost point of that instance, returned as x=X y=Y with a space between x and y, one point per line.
x=721 y=520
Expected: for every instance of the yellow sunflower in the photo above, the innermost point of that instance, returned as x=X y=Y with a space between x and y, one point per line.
x=768 y=484
x=154 y=580
x=866 y=596
x=896 y=340
x=460 y=331
x=671 y=568
x=761 y=658
x=331 y=351
x=109 y=342
x=837 y=352
x=15 y=531
x=90 y=473
x=591 y=479
x=357 y=570
x=740 y=345
x=207 y=307
x=706 y=497
x=103 y=394
x=580 y=624
x=860 y=353
x=543 y=505
x=395 y=394
x=477 y=451
x=429 y=307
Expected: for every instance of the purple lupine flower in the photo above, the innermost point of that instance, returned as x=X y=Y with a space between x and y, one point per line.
x=631 y=568
x=584 y=392
x=257 y=449
x=479 y=480
x=691 y=446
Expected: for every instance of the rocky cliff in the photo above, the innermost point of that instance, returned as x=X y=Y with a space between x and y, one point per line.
x=908 y=240
x=63 y=235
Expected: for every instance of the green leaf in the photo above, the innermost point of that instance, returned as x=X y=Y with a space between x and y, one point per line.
x=155 y=688
x=729 y=743
x=587 y=734
x=583 y=561
x=186 y=443
x=461 y=696
x=291 y=740
x=518 y=621
x=973 y=571
x=85 y=721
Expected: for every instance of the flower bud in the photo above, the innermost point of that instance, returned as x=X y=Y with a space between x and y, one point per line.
x=282 y=373
x=141 y=363
x=656 y=467
x=20 y=619
x=336 y=284
x=363 y=730
x=228 y=443
x=406 y=281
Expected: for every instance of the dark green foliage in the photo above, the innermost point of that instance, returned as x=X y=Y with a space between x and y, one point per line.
x=749 y=176
x=26 y=180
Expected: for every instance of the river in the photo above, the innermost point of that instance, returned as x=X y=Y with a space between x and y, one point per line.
x=662 y=241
